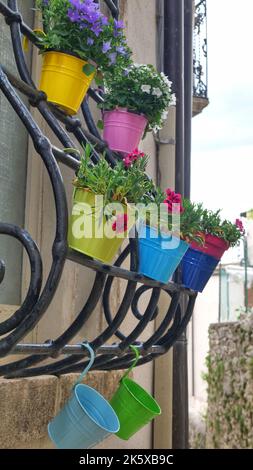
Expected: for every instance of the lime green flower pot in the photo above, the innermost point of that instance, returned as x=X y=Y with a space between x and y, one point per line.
x=132 y=404
x=134 y=407
x=89 y=231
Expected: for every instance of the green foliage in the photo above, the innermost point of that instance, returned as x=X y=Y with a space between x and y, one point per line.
x=62 y=34
x=190 y=221
x=211 y=223
x=118 y=184
x=189 y=218
x=140 y=89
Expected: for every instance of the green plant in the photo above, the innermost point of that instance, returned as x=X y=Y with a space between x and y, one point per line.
x=140 y=89
x=125 y=182
x=211 y=223
x=171 y=205
x=79 y=27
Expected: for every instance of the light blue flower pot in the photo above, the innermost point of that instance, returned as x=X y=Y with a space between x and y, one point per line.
x=159 y=256
x=85 y=420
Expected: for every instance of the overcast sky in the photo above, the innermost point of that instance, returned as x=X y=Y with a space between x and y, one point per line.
x=222 y=153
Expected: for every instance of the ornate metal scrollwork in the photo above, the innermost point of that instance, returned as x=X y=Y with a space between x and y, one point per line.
x=109 y=356
x=200 y=51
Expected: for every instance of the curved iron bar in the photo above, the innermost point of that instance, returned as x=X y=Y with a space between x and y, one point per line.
x=25 y=76
x=35 y=279
x=73 y=125
x=2 y=270
x=59 y=249
x=134 y=305
x=32 y=309
x=13 y=369
x=89 y=119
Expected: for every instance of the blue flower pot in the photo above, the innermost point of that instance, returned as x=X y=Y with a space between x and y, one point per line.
x=159 y=256
x=86 y=419
x=197 y=268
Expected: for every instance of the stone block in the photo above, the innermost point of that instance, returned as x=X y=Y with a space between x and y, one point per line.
x=27 y=405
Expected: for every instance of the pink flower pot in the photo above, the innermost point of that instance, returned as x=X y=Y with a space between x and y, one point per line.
x=123 y=130
x=214 y=246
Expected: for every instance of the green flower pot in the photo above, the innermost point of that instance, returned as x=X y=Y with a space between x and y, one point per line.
x=133 y=405
x=89 y=231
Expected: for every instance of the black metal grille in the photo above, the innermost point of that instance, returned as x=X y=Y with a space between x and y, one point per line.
x=200 y=85
x=13 y=330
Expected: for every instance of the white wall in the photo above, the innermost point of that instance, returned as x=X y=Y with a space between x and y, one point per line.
x=206 y=312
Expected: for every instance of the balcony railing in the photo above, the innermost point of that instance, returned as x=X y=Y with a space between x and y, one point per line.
x=200 y=83
x=38 y=298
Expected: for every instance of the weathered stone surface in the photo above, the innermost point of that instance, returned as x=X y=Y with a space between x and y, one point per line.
x=230 y=385
x=27 y=405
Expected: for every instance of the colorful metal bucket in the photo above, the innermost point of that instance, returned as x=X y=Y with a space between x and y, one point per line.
x=159 y=257
x=197 y=268
x=134 y=407
x=86 y=419
x=64 y=81
x=213 y=246
x=123 y=130
x=84 y=224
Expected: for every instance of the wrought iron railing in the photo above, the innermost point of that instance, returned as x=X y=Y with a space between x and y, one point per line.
x=13 y=330
x=200 y=83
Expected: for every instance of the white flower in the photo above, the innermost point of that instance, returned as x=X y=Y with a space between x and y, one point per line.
x=166 y=80
x=146 y=88
x=173 y=100
x=157 y=92
x=157 y=128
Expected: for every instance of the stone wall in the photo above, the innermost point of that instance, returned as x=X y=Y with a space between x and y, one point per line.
x=230 y=385
x=27 y=406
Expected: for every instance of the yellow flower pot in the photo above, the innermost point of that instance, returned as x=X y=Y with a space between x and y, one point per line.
x=90 y=232
x=64 y=81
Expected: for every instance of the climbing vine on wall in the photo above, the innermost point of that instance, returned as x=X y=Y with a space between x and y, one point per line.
x=229 y=380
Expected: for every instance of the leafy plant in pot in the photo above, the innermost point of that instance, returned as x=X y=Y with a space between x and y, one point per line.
x=78 y=43
x=201 y=259
x=170 y=224
x=136 y=101
x=102 y=214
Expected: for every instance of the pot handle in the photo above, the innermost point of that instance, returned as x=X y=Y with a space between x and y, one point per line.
x=86 y=345
x=137 y=357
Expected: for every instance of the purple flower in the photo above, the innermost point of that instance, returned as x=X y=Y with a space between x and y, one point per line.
x=90 y=41
x=121 y=50
x=106 y=46
x=87 y=14
x=96 y=29
x=104 y=21
x=73 y=16
x=45 y=3
x=112 y=57
x=119 y=24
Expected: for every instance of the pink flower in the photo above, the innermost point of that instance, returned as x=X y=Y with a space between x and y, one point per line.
x=127 y=161
x=173 y=198
x=132 y=157
x=174 y=207
x=120 y=224
x=239 y=225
